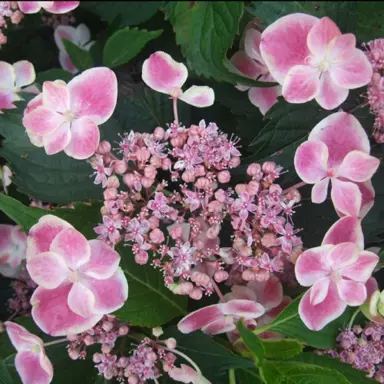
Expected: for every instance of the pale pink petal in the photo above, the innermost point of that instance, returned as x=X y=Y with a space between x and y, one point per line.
x=85 y=137
x=83 y=35
x=264 y=98
x=24 y=73
x=32 y=89
x=312 y=265
x=64 y=32
x=245 y=65
x=81 y=300
x=358 y=166
x=242 y=308
x=222 y=325
x=5 y=236
x=187 y=375
x=321 y=35
x=47 y=269
x=200 y=318
x=351 y=292
x=28 y=7
x=319 y=291
x=66 y=63
x=316 y=317
x=103 y=262
x=362 y=268
x=319 y=191
x=371 y=286
x=311 y=161
x=342 y=133
x=354 y=73
x=61 y=6
x=20 y=337
x=252 y=41
x=6 y=100
x=163 y=74
x=30 y=368
x=110 y=294
x=342 y=255
x=51 y=313
x=284 y=43
x=56 y=141
x=331 y=95
x=241 y=292
x=301 y=84
x=41 y=235
x=56 y=96
x=346 y=229
x=93 y=94
x=7 y=76
x=37 y=101
x=368 y=197
x=272 y=313
x=346 y=197
x=199 y=96
x=42 y=120
x=268 y=293
x=342 y=48
x=35 y=139
x=73 y=247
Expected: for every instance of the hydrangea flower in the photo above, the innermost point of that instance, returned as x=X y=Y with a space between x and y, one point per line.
x=336 y=271
x=165 y=75
x=73 y=276
x=31 y=362
x=12 y=79
x=49 y=6
x=311 y=59
x=373 y=308
x=80 y=36
x=13 y=244
x=250 y=63
x=65 y=117
x=338 y=150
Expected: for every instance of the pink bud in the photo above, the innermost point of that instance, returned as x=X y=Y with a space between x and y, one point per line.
x=74 y=353
x=253 y=169
x=245 y=251
x=241 y=188
x=294 y=195
x=129 y=179
x=177 y=141
x=194 y=130
x=253 y=187
x=150 y=172
x=123 y=330
x=171 y=343
x=113 y=182
x=156 y=236
x=200 y=278
x=146 y=182
x=142 y=155
x=133 y=380
x=97 y=357
x=107 y=326
x=188 y=176
x=106 y=348
x=176 y=231
x=88 y=340
x=103 y=148
x=275 y=189
x=234 y=162
x=269 y=166
x=213 y=232
x=151 y=357
x=220 y=276
x=104 y=211
x=119 y=166
x=166 y=164
x=215 y=206
x=224 y=177
x=248 y=275
x=268 y=240
x=202 y=183
x=196 y=294
x=158 y=133
x=141 y=258
x=110 y=194
x=154 y=222
x=155 y=161
x=157 y=331
x=183 y=288
x=199 y=170
x=220 y=195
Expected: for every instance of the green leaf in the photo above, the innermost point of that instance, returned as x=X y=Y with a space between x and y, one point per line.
x=252 y=342
x=5 y=377
x=369 y=20
x=129 y=12
x=125 y=44
x=150 y=303
x=205 y=31
x=247 y=376
x=281 y=349
x=288 y=323
x=270 y=374
x=80 y=58
x=52 y=75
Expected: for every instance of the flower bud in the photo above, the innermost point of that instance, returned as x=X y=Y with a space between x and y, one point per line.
x=202 y=183
x=188 y=176
x=234 y=162
x=196 y=293
x=240 y=188
x=150 y=172
x=142 y=155
x=123 y=330
x=166 y=163
x=97 y=357
x=103 y=148
x=146 y=182
x=158 y=133
x=268 y=167
x=106 y=348
x=268 y=240
x=119 y=166
x=110 y=194
x=171 y=343
x=248 y=275
x=224 y=177
x=129 y=179
x=155 y=161
x=253 y=187
x=113 y=182
x=220 y=276
x=157 y=331
x=253 y=169
x=200 y=278
x=88 y=340
x=199 y=170
x=177 y=141
x=156 y=236
x=183 y=288
x=74 y=353
x=133 y=380
x=153 y=222
x=141 y=258
x=107 y=326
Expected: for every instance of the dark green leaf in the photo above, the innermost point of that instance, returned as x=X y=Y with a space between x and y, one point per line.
x=247 y=376
x=125 y=44
x=281 y=349
x=52 y=75
x=205 y=31
x=5 y=377
x=80 y=58
x=150 y=303
x=252 y=342
x=369 y=20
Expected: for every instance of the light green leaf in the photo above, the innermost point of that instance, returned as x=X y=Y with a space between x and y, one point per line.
x=252 y=342
x=282 y=348
x=80 y=58
x=125 y=44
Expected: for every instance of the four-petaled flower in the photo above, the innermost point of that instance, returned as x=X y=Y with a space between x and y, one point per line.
x=336 y=272
x=159 y=205
x=66 y=116
x=73 y=276
x=101 y=171
x=338 y=150
x=136 y=229
x=288 y=240
x=31 y=362
x=311 y=59
x=182 y=258
x=109 y=230
x=244 y=204
x=49 y=6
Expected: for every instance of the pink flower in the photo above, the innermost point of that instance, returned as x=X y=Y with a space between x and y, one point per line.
x=13 y=244
x=338 y=150
x=163 y=74
x=49 y=6
x=101 y=171
x=186 y=374
x=336 y=272
x=159 y=205
x=251 y=64
x=136 y=229
x=311 y=59
x=66 y=116
x=31 y=362
x=288 y=240
x=80 y=36
x=72 y=275
x=244 y=205
x=12 y=79
x=109 y=230
x=182 y=258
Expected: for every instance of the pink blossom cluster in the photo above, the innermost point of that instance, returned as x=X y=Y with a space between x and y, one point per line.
x=19 y=304
x=363 y=348
x=9 y=13
x=56 y=20
x=375 y=94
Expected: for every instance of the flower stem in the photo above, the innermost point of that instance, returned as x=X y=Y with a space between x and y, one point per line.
x=358 y=106
x=296 y=186
x=175 y=112
x=353 y=317
x=217 y=290
x=55 y=342
x=232 y=377
x=190 y=361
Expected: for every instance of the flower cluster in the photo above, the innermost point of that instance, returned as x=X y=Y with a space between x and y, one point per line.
x=56 y=20
x=23 y=288
x=9 y=13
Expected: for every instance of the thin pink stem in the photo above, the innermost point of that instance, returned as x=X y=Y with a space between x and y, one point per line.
x=359 y=106
x=13 y=316
x=296 y=186
x=175 y=112
x=217 y=290
x=56 y=342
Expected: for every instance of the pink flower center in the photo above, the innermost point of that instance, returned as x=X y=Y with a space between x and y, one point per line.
x=74 y=276
x=323 y=66
x=335 y=276
x=69 y=116
x=331 y=172
x=176 y=92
